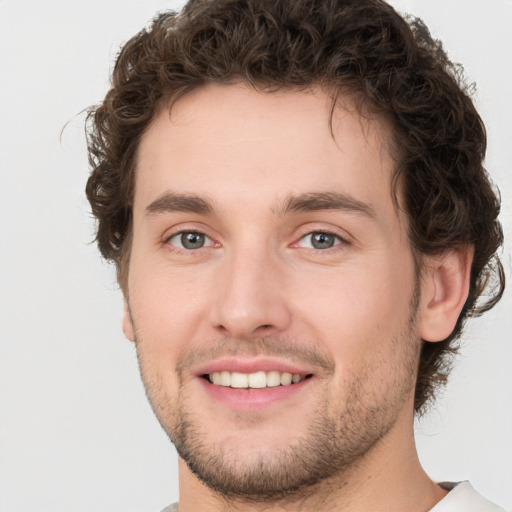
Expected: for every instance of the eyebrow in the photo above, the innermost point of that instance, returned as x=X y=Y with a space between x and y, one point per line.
x=308 y=202
x=173 y=202
x=315 y=201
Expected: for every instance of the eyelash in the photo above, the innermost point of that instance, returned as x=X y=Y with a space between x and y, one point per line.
x=339 y=241
x=182 y=232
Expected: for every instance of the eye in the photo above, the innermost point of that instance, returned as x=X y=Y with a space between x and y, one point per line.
x=319 y=240
x=190 y=240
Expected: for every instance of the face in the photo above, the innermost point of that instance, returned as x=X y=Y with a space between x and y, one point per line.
x=272 y=293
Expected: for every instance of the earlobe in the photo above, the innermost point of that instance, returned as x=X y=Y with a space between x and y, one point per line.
x=445 y=288
x=128 y=322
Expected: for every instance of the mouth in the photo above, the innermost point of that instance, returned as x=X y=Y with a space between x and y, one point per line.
x=255 y=383
x=255 y=380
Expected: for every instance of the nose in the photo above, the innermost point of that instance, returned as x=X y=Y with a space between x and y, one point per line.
x=252 y=300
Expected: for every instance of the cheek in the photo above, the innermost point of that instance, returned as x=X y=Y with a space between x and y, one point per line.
x=167 y=308
x=166 y=319
x=355 y=300
x=359 y=314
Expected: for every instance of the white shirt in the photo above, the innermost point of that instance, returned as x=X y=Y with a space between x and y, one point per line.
x=461 y=498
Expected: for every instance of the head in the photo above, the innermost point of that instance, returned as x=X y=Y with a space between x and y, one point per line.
x=369 y=64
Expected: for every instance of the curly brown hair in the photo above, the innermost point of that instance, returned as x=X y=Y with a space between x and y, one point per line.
x=361 y=46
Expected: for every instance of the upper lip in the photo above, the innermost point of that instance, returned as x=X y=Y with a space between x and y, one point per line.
x=250 y=365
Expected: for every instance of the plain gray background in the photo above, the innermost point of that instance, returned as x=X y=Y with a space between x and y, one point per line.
x=76 y=432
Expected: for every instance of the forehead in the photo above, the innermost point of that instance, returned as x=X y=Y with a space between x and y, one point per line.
x=249 y=145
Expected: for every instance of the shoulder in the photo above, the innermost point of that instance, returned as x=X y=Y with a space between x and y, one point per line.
x=171 y=508
x=463 y=498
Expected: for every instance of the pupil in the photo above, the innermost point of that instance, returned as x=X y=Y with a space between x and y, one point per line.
x=322 y=241
x=192 y=240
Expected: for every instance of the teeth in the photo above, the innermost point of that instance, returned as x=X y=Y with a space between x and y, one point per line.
x=273 y=379
x=286 y=379
x=239 y=380
x=225 y=378
x=255 y=380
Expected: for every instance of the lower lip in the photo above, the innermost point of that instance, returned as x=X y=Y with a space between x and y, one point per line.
x=252 y=399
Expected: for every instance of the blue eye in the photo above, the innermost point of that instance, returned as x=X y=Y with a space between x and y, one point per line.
x=320 y=240
x=190 y=240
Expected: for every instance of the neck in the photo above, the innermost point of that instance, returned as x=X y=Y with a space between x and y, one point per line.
x=388 y=477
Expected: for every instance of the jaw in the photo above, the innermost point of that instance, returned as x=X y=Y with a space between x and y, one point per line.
x=247 y=447
x=390 y=461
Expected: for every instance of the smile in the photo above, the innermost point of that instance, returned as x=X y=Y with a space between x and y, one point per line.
x=256 y=380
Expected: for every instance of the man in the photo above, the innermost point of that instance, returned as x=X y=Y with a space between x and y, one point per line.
x=293 y=194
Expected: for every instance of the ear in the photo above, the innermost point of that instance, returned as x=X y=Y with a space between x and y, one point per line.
x=128 y=329
x=445 y=288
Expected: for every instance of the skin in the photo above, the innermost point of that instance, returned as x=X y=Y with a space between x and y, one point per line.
x=258 y=293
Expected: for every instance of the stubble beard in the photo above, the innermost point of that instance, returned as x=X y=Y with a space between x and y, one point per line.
x=337 y=437
x=326 y=453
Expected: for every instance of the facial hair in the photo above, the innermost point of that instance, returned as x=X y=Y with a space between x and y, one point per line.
x=337 y=437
